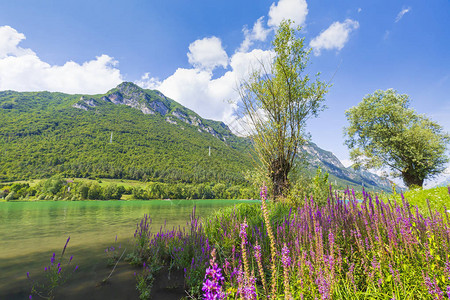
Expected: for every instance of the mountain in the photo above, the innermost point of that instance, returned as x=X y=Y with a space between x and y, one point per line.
x=128 y=132
x=133 y=133
x=338 y=174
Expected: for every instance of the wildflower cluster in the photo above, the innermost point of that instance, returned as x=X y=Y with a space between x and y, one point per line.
x=212 y=284
x=185 y=249
x=56 y=274
x=345 y=249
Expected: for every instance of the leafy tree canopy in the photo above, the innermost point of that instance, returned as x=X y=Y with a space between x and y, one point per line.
x=385 y=132
x=278 y=99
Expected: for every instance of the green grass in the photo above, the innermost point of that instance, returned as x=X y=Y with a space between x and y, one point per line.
x=438 y=198
x=126 y=183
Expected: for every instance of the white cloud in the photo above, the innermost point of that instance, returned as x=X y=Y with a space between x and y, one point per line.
x=258 y=33
x=359 y=10
x=197 y=90
x=244 y=63
x=9 y=41
x=334 y=37
x=213 y=98
x=148 y=82
x=207 y=54
x=402 y=13
x=295 y=10
x=22 y=70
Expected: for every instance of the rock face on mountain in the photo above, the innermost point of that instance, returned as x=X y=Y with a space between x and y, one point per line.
x=154 y=102
x=328 y=162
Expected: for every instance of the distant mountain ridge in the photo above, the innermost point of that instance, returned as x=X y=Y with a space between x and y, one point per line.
x=130 y=132
x=328 y=162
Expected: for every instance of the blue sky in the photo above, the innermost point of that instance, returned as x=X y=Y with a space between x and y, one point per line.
x=196 y=51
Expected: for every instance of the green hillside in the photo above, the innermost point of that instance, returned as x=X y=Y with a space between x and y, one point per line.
x=153 y=138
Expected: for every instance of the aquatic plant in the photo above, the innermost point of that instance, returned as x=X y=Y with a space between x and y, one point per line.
x=55 y=275
x=144 y=281
x=113 y=253
x=113 y=258
x=179 y=248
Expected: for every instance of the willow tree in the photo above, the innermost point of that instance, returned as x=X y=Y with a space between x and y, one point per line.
x=278 y=98
x=385 y=133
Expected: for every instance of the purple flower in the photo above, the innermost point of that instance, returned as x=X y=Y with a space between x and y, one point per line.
x=257 y=251
x=28 y=275
x=263 y=193
x=212 y=283
x=285 y=256
x=76 y=268
x=64 y=249
x=243 y=232
x=70 y=259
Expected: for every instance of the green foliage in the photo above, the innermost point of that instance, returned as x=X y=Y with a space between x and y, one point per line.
x=53 y=185
x=57 y=188
x=278 y=99
x=317 y=187
x=42 y=134
x=385 y=132
x=11 y=196
x=435 y=199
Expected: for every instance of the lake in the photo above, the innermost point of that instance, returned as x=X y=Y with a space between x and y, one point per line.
x=31 y=231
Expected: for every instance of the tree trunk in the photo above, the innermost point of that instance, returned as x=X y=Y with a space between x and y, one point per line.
x=412 y=179
x=279 y=171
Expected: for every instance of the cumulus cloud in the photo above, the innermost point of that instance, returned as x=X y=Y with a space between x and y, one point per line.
x=402 y=13
x=22 y=70
x=258 y=33
x=295 y=10
x=207 y=54
x=197 y=89
x=334 y=37
x=9 y=41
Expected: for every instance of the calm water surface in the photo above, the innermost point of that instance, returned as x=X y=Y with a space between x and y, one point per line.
x=31 y=231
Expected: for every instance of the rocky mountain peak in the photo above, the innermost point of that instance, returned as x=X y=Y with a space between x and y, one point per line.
x=155 y=103
x=127 y=87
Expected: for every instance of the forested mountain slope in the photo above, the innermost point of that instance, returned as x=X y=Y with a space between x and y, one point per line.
x=128 y=132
